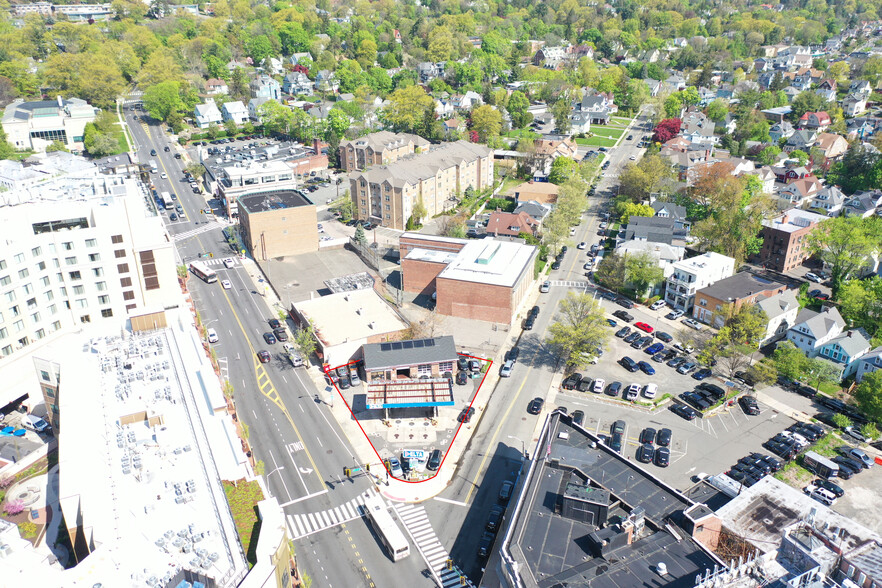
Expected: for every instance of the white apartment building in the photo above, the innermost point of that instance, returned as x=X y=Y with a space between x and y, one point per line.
x=78 y=250
x=35 y=125
x=238 y=178
x=693 y=274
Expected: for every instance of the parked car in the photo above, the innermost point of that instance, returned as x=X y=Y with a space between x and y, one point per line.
x=625 y=302
x=646 y=368
x=494 y=519
x=813 y=277
x=505 y=370
x=571 y=381
x=692 y=323
x=474 y=365
x=654 y=348
x=281 y=334
x=645 y=453
x=749 y=405
x=629 y=364
x=854 y=433
x=613 y=389
x=715 y=391
x=269 y=338
x=462 y=378
x=597 y=388
x=578 y=417
x=662 y=457
x=860 y=456
x=674 y=315
x=545 y=287
x=664 y=437
x=434 y=461
x=657 y=304
x=623 y=315
x=662 y=336
x=632 y=337
x=684 y=411
x=632 y=392
x=623 y=332
x=676 y=362
x=505 y=491
x=535 y=406
x=687 y=367
x=647 y=435
x=701 y=374
x=643 y=327
x=584 y=385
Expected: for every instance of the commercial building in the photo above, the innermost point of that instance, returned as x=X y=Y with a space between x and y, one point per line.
x=693 y=274
x=785 y=239
x=583 y=515
x=387 y=194
x=345 y=321
x=79 y=249
x=35 y=125
x=277 y=223
x=73 y=12
x=379 y=148
x=410 y=359
x=482 y=280
x=722 y=299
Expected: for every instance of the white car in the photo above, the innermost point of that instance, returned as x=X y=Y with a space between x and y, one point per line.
x=599 y=383
x=813 y=277
x=572 y=231
x=657 y=304
x=588 y=266
x=633 y=158
x=684 y=348
x=212 y=336
x=163 y=175
x=229 y=262
x=674 y=315
x=545 y=287
x=632 y=392
x=226 y=284
x=582 y=245
x=691 y=322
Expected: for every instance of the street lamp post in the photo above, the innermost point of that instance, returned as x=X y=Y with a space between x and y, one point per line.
x=523 y=446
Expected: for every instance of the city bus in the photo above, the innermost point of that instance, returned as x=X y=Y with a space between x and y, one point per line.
x=386 y=528
x=202 y=271
x=167 y=201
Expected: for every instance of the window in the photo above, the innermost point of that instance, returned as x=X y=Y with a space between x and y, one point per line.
x=91 y=242
x=702 y=302
x=116 y=239
x=122 y=268
x=53 y=309
x=119 y=253
x=68 y=246
x=49 y=295
x=445 y=366
x=101 y=286
x=22 y=274
x=79 y=289
x=40 y=333
x=55 y=326
x=97 y=271
x=125 y=282
x=424 y=370
x=55 y=263
x=85 y=319
x=36 y=251
x=2 y=264
x=44 y=281
x=35 y=317
x=18 y=326
x=5 y=281
x=32 y=303
x=3 y=333
x=19 y=258
x=128 y=295
x=7 y=350
x=94 y=257
x=82 y=303
x=106 y=313
x=75 y=276
x=104 y=300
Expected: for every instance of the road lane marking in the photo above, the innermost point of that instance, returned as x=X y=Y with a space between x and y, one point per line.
x=456 y=502
x=302 y=498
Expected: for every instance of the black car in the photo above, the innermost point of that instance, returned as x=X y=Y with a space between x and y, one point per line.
x=645 y=453
x=466 y=415
x=578 y=417
x=494 y=518
x=613 y=389
x=281 y=334
x=749 y=405
x=715 y=391
x=535 y=406
x=571 y=381
x=462 y=363
x=662 y=336
x=647 y=435
x=528 y=323
x=847 y=468
x=632 y=337
x=623 y=332
x=343 y=383
x=660 y=357
x=831 y=403
x=166 y=149
x=462 y=378
x=663 y=438
x=275 y=324
x=625 y=302
x=269 y=338
x=623 y=315
x=668 y=355
x=804 y=390
x=584 y=385
x=434 y=461
x=153 y=152
x=486 y=544
x=662 y=457
x=534 y=312
x=555 y=264
x=629 y=364
x=745 y=378
x=615 y=442
x=828 y=485
x=512 y=354
x=684 y=411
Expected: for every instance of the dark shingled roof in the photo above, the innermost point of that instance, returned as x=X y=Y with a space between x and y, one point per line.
x=406 y=353
x=739 y=286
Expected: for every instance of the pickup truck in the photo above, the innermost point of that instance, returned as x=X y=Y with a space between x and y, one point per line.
x=293 y=355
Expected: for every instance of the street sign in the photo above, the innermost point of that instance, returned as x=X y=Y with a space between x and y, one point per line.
x=413 y=454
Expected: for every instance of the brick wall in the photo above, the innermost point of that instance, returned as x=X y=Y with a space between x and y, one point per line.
x=277 y=233
x=783 y=251
x=481 y=302
x=419 y=276
x=705 y=312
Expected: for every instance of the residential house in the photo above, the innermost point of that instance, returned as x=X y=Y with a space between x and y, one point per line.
x=511 y=224
x=672 y=211
x=296 y=83
x=326 y=81
x=869 y=362
x=781 y=130
x=865 y=203
x=264 y=86
x=777 y=114
x=698 y=128
x=789 y=173
x=829 y=199
x=767 y=177
x=727 y=126
x=541 y=192
x=676 y=81
x=863 y=128
x=799 y=192
x=854 y=104
x=818 y=121
x=595 y=108
x=254 y=108
x=652 y=229
x=833 y=147
x=718 y=301
x=215 y=86
x=781 y=311
x=845 y=350
x=802 y=139
x=297 y=58
x=551 y=57
x=654 y=86
x=235 y=111
x=467 y=101
x=537 y=210
x=452 y=126
x=666 y=255
x=827 y=90
x=862 y=87
x=444 y=108
x=812 y=330
x=547 y=150
x=428 y=71
x=207 y=113
x=693 y=274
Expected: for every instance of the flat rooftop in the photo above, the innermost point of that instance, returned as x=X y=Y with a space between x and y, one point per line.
x=431 y=256
x=553 y=550
x=741 y=285
x=793 y=220
x=490 y=261
x=272 y=200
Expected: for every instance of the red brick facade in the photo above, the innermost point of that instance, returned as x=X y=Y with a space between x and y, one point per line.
x=419 y=276
x=481 y=302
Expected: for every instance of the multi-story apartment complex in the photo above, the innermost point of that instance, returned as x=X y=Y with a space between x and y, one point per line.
x=386 y=194
x=785 y=239
x=71 y=11
x=35 y=125
x=77 y=250
x=693 y=274
x=379 y=148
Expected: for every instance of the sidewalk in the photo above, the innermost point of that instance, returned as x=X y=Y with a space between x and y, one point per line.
x=783 y=408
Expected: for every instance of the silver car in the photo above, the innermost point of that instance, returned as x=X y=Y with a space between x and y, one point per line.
x=505 y=370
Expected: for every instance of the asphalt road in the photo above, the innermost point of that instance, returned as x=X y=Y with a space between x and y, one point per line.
x=303 y=449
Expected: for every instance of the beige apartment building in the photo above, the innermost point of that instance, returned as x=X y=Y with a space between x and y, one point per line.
x=278 y=223
x=379 y=148
x=386 y=194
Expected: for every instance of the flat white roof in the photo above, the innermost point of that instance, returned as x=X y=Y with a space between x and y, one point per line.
x=431 y=255
x=793 y=220
x=350 y=317
x=488 y=261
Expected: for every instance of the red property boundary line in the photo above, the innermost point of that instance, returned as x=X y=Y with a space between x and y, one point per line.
x=452 y=441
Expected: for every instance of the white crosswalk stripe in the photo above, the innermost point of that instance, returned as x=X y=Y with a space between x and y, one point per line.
x=569 y=283
x=301 y=525
x=435 y=555
x=209 y=226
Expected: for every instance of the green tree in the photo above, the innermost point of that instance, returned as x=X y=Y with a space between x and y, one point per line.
x=338 y=123
x=440 y=44
x=769 y=155
x=359 y=235
x=822 y=371
x=561 y=112
x=841 y=421
x=807 y=101
x=610 y=272
x=800 y=156
x=56 y=146
x=629 y=209
x=790 y=361
x=487 y=122
x=366 y=54
x=643 y=272
x=407 y=108
x=868 y=395
x=419 y=211
x=846 y=243
x=717 y=110
x=213 y=130
x=231 y=127
x=304 y=339
x=517 y=108
x=555 y=229
x=562 y=169
x=163 y=99
x=638 y=180
x=580 y=329
x=97 y=143
x=860 y=302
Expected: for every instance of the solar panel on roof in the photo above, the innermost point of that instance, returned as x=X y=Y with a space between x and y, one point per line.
x=430 y=342
x=385 y=346
x=419 y=343
x=396 y=345
x=407 y=344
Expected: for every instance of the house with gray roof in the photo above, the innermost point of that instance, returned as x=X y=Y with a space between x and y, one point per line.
x=781 y=130
x=845 y=350
x=428 y=71
x=672 y=211
x=869 y=362
x=207 y=113
x=812 y=330
x=864 y=203
x=296 y=82
x=698 y=128
x=829 y=199
x=653 y=229
x=802 y=139
x=396 y=360
x=781 y=311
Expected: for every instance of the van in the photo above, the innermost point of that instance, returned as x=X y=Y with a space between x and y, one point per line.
x=34 y=423
x=823 y=496
x=212 y=336
x=650 y=390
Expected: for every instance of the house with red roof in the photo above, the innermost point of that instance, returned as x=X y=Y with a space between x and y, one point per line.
x=815 y=120
x=511 y=224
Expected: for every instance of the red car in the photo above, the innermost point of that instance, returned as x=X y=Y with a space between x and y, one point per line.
x=644 y=327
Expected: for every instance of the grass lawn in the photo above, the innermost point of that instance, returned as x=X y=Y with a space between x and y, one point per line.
x=830 y=388
x=509 y=184
x=620 y=120
x=602 y=131
x=243 y=498
x=827 y=445
x=518 y=133
x=597 y=141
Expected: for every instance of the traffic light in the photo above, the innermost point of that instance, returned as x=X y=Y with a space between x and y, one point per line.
x=367 y=467
x=211 y=255
x=449 y=564
x=347 y=472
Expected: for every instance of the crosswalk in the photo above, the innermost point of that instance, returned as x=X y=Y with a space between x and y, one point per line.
x=209 y=226
x=217 y=260
x=417 y=524
x=569 y=283
x=302 y=525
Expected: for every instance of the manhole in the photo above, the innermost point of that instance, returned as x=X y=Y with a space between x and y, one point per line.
x=329 y=451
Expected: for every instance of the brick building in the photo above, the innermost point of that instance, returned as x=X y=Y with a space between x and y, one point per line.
x=717 y=302
x=379 y=148
x=387 y=194
x=278 y=223
x=785 y=239
x=482 y=279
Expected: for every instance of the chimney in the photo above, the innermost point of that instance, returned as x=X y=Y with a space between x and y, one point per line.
x=60 y=102
x=317 y=146
x=784 y=220
x=849 y=333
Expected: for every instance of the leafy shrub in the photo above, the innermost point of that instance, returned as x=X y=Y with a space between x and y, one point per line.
x=14 y=507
